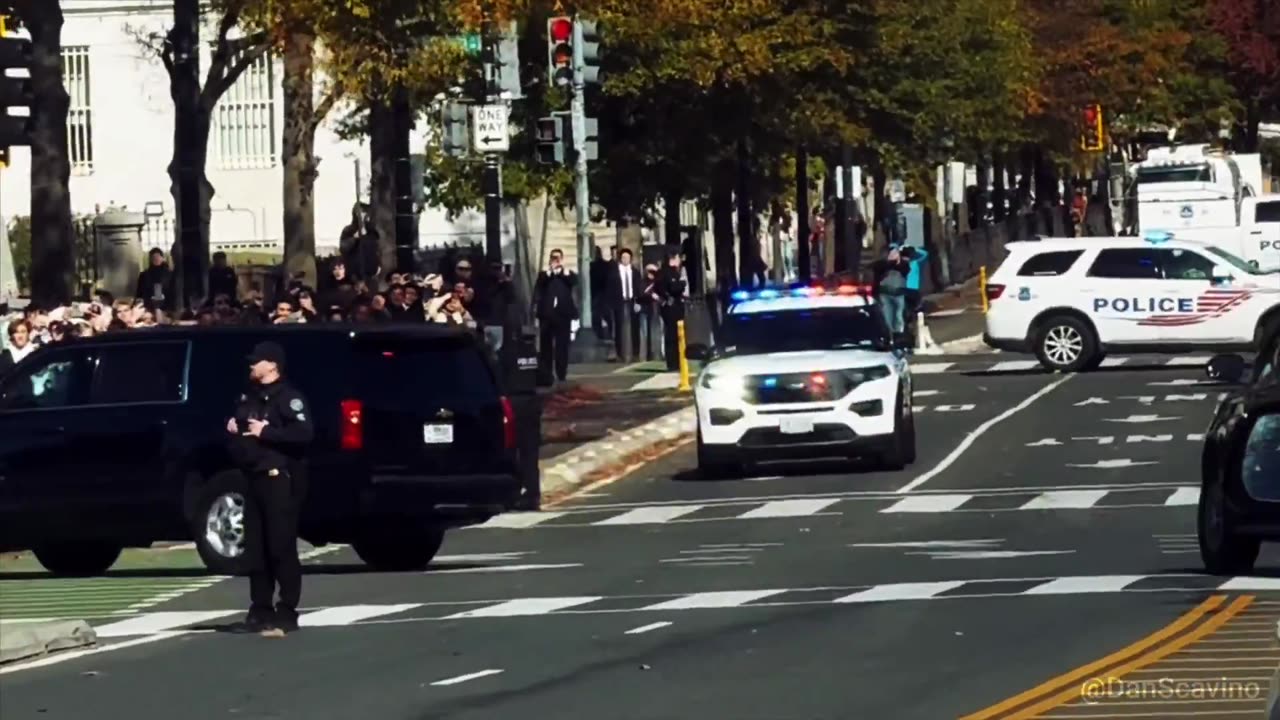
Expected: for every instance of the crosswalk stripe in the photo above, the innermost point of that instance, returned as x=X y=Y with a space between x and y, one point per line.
x=648 y=515
x=525 y=606
x=520 y=520
x=1065 y=499
x=156 y=622
x=1251 y=583
x=1114 y=361
x=1014 y=365
x=725 y=599
x=1194 y=361
x=337 y=616
x=930 y=368
x=1085 y=584
x=1184 y=496
x=789 y=508
x=901 y=591
x=928 y=504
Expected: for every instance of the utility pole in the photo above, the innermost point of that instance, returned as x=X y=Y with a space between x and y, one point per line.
x=406 y=217
x=185 y=38
x=582 y=193
x=492 y=181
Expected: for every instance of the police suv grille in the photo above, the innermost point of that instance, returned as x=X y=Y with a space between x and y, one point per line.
x=796 y=388
x=823 y=433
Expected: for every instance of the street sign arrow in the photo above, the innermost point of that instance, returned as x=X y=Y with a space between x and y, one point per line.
x=1121 y=463
x=1135 y=419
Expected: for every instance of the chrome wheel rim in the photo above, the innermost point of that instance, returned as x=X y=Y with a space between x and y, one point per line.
x=1063 y=345
x=224 y=525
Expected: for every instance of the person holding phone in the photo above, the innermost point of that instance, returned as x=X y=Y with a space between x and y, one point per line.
x=556 y=310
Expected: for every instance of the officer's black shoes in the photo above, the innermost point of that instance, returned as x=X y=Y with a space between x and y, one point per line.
x=285 y=623
x=257 y=620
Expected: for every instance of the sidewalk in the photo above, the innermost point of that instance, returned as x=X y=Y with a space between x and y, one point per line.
x=585 y=412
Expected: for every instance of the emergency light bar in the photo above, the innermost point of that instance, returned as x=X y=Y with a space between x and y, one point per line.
x=739 y=296
x=1156 y=237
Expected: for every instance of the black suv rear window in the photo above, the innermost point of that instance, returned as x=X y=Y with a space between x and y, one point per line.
x=1050 y=263
x=138 y=373
x=424 y=377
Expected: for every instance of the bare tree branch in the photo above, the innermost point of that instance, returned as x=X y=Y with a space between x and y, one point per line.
x=215 y=87
x=325 y=106
x=153 y=43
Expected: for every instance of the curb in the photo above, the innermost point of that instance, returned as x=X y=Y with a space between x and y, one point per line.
x=25 y=641
x=578 y=466
x=1273 y=698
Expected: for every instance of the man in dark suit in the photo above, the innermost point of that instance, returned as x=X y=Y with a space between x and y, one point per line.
x=556 y=309
x=625 y=287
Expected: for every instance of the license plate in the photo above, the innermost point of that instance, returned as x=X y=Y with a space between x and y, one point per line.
x=437 y=434
x=796 y=426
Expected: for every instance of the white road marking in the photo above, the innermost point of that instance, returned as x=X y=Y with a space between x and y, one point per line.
x=62 y=657
x=661 y=381
x=988 y=554
x=648 y=515
x=789 y=508
x=465 y=678
x=984 y=542
x=1140 y=419
x=647 y=628
x=723 y=599
x=930 y=368
x=1014 y=365
x=1184 y=496
x=978 y=432
x=708 y=558
x=1194 y=361
x=155 y=622
x=1085 y=584
x=719 y=550
x=900 y=591
x=525 y=606
x=1251 y=583
x=1113 y=463
x=1180 y=382
x=346 y=615
x=925 y=393
x=1114 y=361
x=504 y=568
x=928 y=504
x=520 y=520
x=1062 y=499
x=484 y=557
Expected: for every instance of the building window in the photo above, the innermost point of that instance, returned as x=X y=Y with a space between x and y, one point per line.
x=244 y=120
x=75 y=77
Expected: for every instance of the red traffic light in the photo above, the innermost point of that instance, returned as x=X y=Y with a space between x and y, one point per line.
x=1091 y=114
x=560 y=29
x=547 y=129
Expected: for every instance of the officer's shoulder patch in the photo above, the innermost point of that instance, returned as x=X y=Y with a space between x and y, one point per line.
x=295 y=404
x=243 y=397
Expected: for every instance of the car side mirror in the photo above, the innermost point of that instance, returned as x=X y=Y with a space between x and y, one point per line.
x=697 y=351
x=1225 y=368
x=1222 y=273
x=1260 y=466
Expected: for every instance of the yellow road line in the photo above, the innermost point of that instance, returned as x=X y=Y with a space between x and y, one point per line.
x=1085 y=672
x=1157 y=653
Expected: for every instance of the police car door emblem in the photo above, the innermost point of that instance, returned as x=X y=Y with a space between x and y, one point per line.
x=1024 y=294
x=295 y=405
x=1187 y=211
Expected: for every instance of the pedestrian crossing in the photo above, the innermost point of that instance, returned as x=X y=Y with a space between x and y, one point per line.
x=888 y=503
x=158 y=623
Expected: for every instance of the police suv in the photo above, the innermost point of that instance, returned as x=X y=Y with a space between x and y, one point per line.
x=1071 y=301
x=803 y=373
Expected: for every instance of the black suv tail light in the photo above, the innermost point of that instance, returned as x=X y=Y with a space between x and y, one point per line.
x=352 y=437
x=508 y=425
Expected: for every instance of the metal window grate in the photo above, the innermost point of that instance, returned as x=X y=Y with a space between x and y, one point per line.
x=244 y=122
x=75 y=77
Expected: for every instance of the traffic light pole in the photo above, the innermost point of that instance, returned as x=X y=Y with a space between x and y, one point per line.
x=492 y=180
x=582 y=193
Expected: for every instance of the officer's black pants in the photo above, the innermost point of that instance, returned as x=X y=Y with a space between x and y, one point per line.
x=553 y=347
x=273 y=539
x=671 y=316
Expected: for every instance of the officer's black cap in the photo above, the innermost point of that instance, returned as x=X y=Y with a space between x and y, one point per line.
x=269 y=352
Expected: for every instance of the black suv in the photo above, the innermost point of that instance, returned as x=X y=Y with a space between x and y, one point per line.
x=1240 y=493
x=120 y=441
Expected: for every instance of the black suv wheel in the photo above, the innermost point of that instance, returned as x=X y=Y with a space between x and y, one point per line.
x=218 y=523
x=1223 y=552
x=389 y=550
x=78 y=559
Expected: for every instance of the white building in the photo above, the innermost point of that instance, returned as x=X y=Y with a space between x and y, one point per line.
x=120 y=137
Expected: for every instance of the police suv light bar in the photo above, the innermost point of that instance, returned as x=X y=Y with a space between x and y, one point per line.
x=739 y=296
x=1156 y=237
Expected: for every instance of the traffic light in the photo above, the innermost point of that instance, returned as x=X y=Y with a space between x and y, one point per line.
x=560 y=50
x=502 y=65
x=15 y=92
x=1093 y=137
x=589 y=37
x=551 y=135
x=589 y=143
x=454 y=134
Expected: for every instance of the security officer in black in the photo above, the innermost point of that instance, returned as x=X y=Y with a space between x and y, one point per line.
x=270 y=432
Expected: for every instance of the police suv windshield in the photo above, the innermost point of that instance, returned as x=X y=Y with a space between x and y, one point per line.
x=838 y=328
x=1239 y=263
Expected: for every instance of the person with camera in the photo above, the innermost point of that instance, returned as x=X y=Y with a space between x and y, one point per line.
x=556 y=310
x=672 y=288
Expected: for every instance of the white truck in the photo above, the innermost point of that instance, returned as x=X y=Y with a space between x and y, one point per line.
x=1196 y=193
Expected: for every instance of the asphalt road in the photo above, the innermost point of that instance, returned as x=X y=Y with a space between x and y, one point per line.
x=1048 y=523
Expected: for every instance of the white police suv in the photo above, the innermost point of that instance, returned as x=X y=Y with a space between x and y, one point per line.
x=803 y=373
x=1071 y=301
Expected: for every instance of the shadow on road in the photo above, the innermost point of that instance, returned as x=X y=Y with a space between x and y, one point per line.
x=156 y=573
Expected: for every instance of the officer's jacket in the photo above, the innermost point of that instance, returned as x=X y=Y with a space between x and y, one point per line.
x=285 y=438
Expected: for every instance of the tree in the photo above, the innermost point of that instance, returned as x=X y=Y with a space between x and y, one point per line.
x=194 y=101
x=53 y=247
x=1251 y=33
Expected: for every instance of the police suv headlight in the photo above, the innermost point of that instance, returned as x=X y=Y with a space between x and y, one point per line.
x=722 y=383
x=857 y=376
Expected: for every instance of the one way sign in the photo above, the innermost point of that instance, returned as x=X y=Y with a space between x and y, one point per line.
x=490 y=132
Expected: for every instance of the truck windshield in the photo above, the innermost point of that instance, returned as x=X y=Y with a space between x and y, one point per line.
x=1178 y=174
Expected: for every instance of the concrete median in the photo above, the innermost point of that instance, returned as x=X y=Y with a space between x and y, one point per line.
x=598 y=459
x=26 y=641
